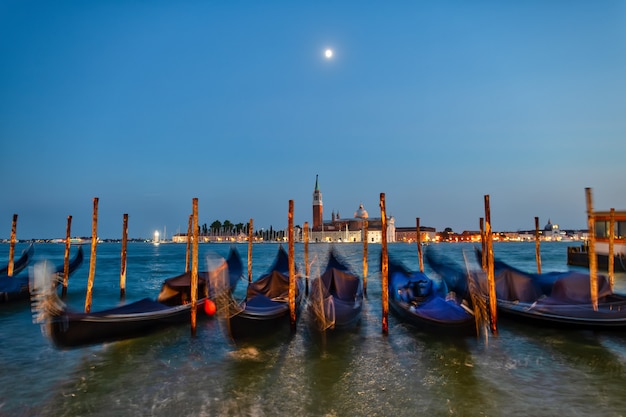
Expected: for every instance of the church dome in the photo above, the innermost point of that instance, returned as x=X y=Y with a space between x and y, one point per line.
x=548 y=227
x=361 y=213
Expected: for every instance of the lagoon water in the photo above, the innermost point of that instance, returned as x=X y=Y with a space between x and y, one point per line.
x=524 y=371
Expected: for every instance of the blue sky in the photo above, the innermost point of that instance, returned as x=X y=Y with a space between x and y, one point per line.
x=148 y=104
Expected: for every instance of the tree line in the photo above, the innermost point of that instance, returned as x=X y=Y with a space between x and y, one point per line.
x=227 y=228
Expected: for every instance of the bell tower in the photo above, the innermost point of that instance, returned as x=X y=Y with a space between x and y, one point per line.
x=318 y=207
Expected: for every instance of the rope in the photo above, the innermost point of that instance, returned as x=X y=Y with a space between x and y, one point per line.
x=479 y=302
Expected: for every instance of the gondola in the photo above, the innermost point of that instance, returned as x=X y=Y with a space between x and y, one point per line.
x=553 y=299
x=561 y=299
x=17 y=288
x=427 y=304
x=69 y=329
x=336 y=297
x=21 y=263
x=265 y=310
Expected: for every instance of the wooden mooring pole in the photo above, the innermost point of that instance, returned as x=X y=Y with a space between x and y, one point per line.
x=12 y=246
x=419 y=244
x=194 y=267
x=292 y=269
x=612 y=248
x=66 y=257
x=593 y=260
x=365 y=243
x=493 y=302
x=384 y=265
x=537 y=245
x=92 y=258
x=307 y=267
x=250 y=240
x=123 y=256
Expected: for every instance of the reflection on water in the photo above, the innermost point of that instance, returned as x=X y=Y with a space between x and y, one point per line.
x=523 y=371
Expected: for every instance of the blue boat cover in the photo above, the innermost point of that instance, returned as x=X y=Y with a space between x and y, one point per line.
x=438 y=308
x=512 y=284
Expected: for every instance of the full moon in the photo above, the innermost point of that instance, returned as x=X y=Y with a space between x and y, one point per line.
x=328 y=53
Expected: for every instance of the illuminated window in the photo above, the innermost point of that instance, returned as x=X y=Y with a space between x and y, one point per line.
x=602 y=229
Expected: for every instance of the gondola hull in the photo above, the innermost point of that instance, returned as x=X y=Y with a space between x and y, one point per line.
x=255 y=322
x=266 y=310
x=610 y=315
x=70 y=330
x=17 y=288
x=21 y=263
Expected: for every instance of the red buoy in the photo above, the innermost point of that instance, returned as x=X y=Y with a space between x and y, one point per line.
x=209 y=307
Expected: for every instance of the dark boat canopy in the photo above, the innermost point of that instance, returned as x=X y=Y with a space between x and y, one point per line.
x=574 y=288
x=273 y=285
x=338 y=280
x=569 y=287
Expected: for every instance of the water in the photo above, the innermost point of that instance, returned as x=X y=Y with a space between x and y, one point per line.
x=523 y=371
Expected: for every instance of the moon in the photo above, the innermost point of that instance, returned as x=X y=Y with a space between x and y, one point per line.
x=328 y=53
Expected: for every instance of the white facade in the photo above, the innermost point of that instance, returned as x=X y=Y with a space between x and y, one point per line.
x=374 y=235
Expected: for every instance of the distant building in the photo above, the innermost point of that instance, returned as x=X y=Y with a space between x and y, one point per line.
x=470 y=236
x=552 y=232
x=409 y=234
x=339 y=229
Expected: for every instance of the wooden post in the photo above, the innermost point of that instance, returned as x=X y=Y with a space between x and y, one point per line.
x=537 y=243
x=493 y=302
x=194 y=267
x=365 y=243
x=419 y=244
x=384 y=266
x=92 y=258
x=292 y=269
x=12 y=246
x=66 y=258
x=123 y=261
x=612 y=248
x=189 y=238
x=483 y=245
x=250 y=239
x=593 y=260
x=307 y=267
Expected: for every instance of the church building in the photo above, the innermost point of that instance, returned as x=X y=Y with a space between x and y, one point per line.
x=339 y=229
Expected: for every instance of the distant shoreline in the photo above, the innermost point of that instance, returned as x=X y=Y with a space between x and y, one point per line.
x=150 y=242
